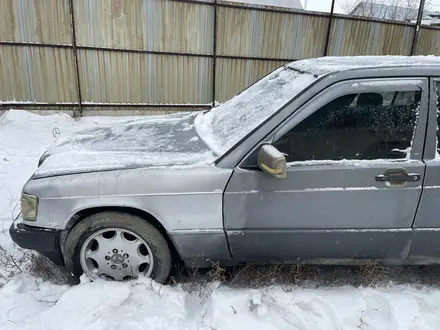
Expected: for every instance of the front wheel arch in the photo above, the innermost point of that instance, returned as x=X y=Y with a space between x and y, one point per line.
x=130 y=228
x=85 y=213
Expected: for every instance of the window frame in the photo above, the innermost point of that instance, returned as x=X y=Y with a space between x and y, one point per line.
x=352 y=86
x=436 y=106
x=430 y=151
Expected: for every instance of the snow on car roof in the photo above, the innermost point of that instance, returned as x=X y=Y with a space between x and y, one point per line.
x=324 y=65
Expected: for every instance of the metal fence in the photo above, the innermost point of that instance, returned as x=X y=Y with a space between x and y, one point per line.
x=149 y=56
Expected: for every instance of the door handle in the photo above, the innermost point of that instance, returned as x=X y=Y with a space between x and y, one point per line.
x=398 y=175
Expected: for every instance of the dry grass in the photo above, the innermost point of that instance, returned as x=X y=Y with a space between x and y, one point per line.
x=42 y=267
x=34 y=264
x=367 y=273
x=11 y=265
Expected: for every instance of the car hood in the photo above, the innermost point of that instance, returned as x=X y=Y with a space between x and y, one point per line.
x=154 y=141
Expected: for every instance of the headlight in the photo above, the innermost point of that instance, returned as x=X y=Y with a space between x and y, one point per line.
x=29 y=207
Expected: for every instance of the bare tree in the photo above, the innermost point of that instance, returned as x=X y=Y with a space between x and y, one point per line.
x=400 y=10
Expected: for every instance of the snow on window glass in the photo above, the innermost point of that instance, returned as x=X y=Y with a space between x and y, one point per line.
x=362 y=126
x=224 y=126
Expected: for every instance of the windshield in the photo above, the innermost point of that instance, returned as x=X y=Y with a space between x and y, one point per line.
x=222 y=127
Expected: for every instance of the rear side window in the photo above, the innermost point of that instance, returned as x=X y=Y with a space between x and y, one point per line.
x=438 y=118
x=356 y=126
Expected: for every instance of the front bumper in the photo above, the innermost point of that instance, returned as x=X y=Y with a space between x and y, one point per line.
x=43 y=240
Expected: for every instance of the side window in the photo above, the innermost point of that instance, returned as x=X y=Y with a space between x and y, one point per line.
x=356 y=126
x=438 y=117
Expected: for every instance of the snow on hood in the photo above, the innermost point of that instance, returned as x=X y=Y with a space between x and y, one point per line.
x=156 y=141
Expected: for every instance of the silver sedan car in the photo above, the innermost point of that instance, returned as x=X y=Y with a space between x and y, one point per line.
x=324 y=160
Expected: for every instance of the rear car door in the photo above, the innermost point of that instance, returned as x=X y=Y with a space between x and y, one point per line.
x=354 y=177
x=426 y=242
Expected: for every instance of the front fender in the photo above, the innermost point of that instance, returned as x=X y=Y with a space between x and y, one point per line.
x=184 y=199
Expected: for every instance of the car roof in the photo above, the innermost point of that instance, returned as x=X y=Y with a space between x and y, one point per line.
x=325 y=65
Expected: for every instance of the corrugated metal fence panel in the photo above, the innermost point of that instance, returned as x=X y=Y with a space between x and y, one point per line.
x=117 y=77
x=356 y=37
x=429 y=42
x=243 y=32
x=232 y=76
x=37 y=74
x=45 y=21
x=159 y=25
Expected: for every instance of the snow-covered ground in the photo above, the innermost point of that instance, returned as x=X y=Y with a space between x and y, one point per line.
x=28 y=302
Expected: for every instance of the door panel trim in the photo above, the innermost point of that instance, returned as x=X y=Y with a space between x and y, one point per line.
x=324 y=230
x=320 y=244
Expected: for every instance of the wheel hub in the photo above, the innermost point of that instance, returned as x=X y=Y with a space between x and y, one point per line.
x=117 y=254
x=117 y=259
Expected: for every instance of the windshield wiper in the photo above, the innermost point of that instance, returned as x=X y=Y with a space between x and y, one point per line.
x=301 y=71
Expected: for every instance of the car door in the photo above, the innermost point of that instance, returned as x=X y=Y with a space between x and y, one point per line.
x=426 y=241
x=353 y=183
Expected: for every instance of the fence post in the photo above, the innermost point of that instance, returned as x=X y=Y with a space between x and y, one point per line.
x=214 y=52
x=417 y=27
x=75 y=59
x=329 y=28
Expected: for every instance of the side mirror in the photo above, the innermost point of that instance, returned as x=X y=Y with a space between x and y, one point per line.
x=273 y=162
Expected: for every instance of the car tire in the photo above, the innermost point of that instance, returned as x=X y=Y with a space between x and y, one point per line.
x=94 y=227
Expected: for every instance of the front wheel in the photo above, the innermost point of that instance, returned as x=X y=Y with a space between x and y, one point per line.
x=117 y=246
